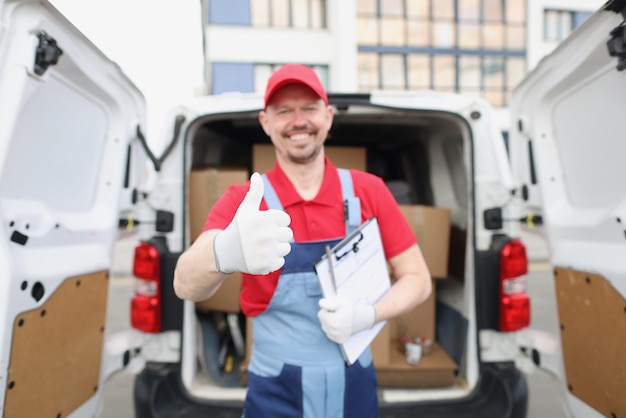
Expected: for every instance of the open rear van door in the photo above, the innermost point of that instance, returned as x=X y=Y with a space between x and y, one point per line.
x=69 y=164
x=571 y=108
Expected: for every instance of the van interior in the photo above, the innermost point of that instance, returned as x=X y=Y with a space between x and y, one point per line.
x=424 y=158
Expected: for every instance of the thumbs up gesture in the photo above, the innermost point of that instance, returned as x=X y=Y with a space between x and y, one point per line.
x=256 y=241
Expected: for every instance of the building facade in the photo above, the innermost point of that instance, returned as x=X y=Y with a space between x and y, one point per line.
x=476 y=47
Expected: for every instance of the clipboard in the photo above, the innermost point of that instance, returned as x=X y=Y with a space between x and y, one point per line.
x=356 y=268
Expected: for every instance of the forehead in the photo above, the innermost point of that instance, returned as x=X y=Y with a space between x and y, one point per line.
x=291 y=93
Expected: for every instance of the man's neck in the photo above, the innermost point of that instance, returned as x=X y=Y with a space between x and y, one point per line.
x=306 y=178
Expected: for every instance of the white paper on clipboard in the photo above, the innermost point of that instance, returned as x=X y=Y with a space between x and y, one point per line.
x=360 y=273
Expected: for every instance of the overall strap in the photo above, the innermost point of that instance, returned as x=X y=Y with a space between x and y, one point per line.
x=351 y=203
x=270 y=196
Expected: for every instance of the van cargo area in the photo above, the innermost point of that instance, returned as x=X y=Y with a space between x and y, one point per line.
x=424 y=158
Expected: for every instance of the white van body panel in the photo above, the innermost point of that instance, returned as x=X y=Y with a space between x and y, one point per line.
x=572 y=108
x=67 y=172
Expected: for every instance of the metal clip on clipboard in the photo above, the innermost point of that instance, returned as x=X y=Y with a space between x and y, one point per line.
x=354 y=249
x=338 y=256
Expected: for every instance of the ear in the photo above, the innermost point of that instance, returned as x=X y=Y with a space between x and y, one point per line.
x=330 y=112
x=264 y=122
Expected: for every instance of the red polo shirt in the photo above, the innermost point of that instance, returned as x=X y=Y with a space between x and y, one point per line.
x=321 y=218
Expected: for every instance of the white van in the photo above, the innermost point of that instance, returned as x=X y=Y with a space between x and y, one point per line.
x=567 y=149
x=73 y=182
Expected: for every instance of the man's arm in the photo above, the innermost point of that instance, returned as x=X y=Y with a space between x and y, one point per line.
x=412 y=284
x=255 y=242
x=196 y=277
x=340 y=318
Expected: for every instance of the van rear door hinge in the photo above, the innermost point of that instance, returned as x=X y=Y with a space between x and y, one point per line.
x=47 y=53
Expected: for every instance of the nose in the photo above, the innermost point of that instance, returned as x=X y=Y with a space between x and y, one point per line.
x=298 y=117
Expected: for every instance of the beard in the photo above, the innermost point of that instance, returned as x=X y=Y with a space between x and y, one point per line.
x=304 y=155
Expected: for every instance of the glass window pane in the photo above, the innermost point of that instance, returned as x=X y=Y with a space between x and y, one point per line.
x=300 y=13
x=515 y=37
x=566 y=25
x=492 y=10
x=280 y=13
x=516 y=11
x=469 y=73
x=495 y=97
x=515 y=71
x=493 y=72
x=418 y=8
x=368 y=71
x=469 y=35
x=262 y=73
x=322 y=73
x=443 y=9
x=318 y=14
x=367 y=31
x=392 y=31
x=493 y=36
x=444 y=72
x=419 y=33
x=260 y=12
x=392 y=71
x=366 y=7
x=551 y=24
x=469 y=10
x=418 y=71
x=391 y=8
x=443 y=34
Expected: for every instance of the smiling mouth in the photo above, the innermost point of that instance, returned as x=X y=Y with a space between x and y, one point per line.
x=299 y=137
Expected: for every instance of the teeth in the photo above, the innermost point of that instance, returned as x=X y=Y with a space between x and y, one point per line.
x=299 y=137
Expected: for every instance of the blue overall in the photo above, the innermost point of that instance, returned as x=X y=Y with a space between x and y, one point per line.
x=295 y=371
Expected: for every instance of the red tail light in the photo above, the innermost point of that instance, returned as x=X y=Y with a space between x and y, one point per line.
x=514 y=301
x=146 y=304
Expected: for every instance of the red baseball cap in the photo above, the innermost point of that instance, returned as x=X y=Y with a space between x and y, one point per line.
x=294 y=73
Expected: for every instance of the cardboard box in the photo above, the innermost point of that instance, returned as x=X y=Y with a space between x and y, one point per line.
x=431 y=226
x=264 y=157
x=205 y=187
x=436 y=369
x=226 y=299
x=419 y=322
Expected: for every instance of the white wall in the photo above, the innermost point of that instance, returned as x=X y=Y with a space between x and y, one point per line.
x=157 y=43
x=334 y=47
x=537 y=47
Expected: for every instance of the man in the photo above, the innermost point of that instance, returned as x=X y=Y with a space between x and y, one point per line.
x=273 y=229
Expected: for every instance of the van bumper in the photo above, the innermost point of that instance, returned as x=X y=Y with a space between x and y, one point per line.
x=501 y=392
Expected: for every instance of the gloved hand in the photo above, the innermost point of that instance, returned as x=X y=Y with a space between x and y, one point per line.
x=340 y=318
x=255 y=242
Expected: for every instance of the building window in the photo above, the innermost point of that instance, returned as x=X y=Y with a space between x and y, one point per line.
x=249 y=77
x=229 y=12
x=558 y=24
x=229 y=77
x=262 y=73
x=299 y=14
x=468 y=46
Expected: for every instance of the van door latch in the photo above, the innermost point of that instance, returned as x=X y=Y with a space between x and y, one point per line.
x=47 y=53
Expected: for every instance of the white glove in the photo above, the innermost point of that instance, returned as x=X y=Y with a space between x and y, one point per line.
x=255 y=242
x=340 y=318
